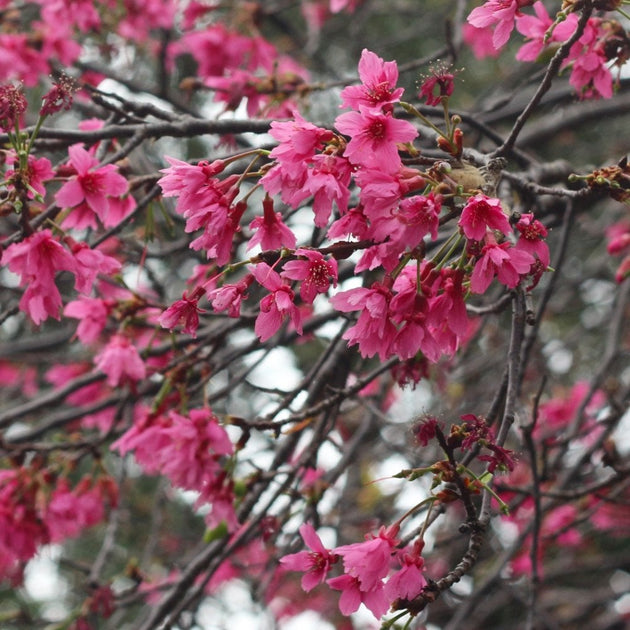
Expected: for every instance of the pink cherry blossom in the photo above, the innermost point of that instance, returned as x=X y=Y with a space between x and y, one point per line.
x=275 y=306
x=37 y=259
x=480 y=41
x=532 y=238
x=500 y=13
x=480 y=214
x=299 y=140
x=315 y=273
x=535 y=29
x=328 y=180
x=92 y=184
x=374 y=138
x=89 y=263
x=409 y=581
x=353 y=595
x=120 y=361
x=374 y=331
x=378 y=89
x=12 y=105
x=229 y=296
x=315 y=564
x=38 y=170
x=500 y=260
x=271 y=232
x=369 y=560
x=184 y=311
x=92 y=314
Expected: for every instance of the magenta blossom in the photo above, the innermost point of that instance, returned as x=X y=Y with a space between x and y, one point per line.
x=479 y=214
x=378 y=89
x=316 y=273
x=92 y=184
x=184 y=311
x=315 y=564
x=275 y=306
x=500 y=260
x=120 y=361
x=500 y=13
x=92 y=314
x=271 y=232
x=374 y=138
x=374 y=331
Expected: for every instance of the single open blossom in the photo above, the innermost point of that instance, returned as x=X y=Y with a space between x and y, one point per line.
x=275 y=306
x=480 y=214
x=299 y=140
x=409 y=581
x=369 y=560
x=184 y=311
x=374 y=331
x=315 y=564
x=316 y=273
x=353 y=595
x=532 y=238
x=374 y=137
x=271 y=232
x=92 y=314
x=378 y=84
x=535 y=28
x=500 y=260
x=92 y=184
x=229 y=296
x=120 y=361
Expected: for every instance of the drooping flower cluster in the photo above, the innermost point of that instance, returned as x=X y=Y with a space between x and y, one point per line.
x=365 y=567
x=189 y=450
x=602 y=44
x=37 y=508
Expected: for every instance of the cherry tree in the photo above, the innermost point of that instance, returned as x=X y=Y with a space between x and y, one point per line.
x=304 y=319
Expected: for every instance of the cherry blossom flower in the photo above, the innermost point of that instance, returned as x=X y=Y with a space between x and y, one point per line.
x=500 y=260
x=480 y=41
x=378 y=89
x=275 y=306
x=229 y=296
x=409 y=581
x=315 y=564
x=535 y=29
x=271 y=232
x=532 y=238
x=92 y=314
x=353 y=595
x=479 y=214
x=328 y=180
x=374 y=331
x=38 y=170
x=315 y=273
x=92 y=184
x=500 y=13
x=120 y=361
x=89 y=263
x=36 y=259
x=299 y=140
x=185 y=311
x=437 y=87
x=374 y=137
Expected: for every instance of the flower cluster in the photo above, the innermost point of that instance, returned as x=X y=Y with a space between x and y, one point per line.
x=365 y=567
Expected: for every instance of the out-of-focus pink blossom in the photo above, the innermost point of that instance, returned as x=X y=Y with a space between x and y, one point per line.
x=120 y=361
